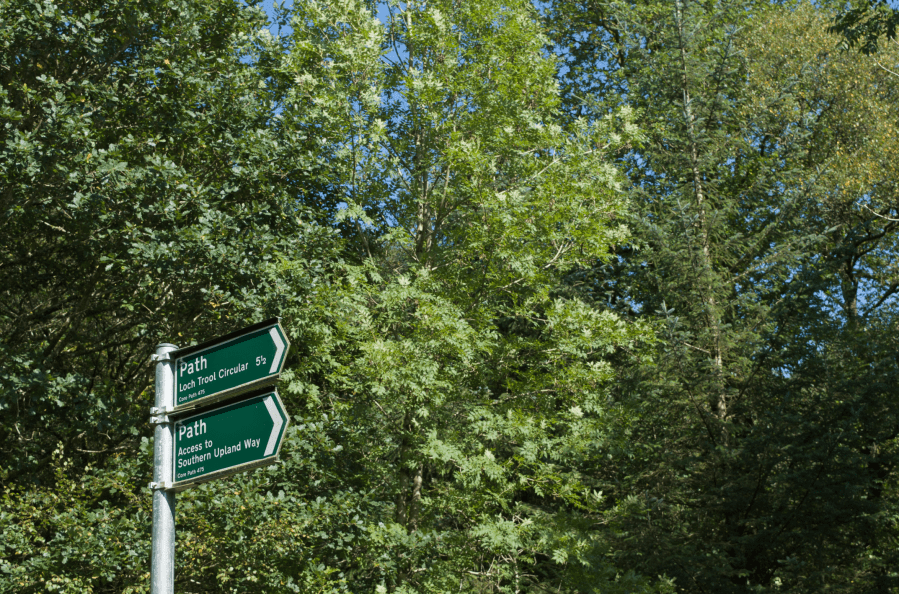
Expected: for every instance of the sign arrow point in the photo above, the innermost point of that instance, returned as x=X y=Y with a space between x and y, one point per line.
x=276 y=419
x=279 y=349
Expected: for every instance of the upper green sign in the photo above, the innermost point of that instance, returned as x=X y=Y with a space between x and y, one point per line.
x=230 y=365
x=229 y=439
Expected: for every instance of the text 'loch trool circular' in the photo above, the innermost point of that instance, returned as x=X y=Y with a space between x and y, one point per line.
x=230 y=365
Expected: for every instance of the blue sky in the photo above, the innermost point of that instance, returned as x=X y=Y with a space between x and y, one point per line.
x=269 y=9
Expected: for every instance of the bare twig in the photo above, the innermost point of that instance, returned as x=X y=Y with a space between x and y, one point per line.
x=879 y=215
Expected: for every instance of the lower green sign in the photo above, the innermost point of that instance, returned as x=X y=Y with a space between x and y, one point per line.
x=229 y=439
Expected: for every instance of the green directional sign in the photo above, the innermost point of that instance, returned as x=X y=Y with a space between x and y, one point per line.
x=229 y=439
x=230 y=365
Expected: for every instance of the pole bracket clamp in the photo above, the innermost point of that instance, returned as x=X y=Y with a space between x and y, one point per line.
x=159 y=416
x=156 y=358
x=161 y=486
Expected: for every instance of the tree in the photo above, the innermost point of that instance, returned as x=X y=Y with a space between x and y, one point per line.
x=763 y=250
x=864 y=23
x=142 y=200
x=443 y=392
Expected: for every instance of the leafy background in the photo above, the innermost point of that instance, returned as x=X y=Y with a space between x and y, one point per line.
x=584 y=296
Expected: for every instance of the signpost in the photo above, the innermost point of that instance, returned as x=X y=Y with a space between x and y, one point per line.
x=228 y=439
x=212 y=443
x=230 y=365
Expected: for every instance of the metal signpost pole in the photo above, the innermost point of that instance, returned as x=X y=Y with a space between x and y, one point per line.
x=162 y=568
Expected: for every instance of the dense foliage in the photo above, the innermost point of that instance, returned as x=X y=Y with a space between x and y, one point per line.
x=865 y=24
x=584 y=296
x=144 y=198
x=765 y=246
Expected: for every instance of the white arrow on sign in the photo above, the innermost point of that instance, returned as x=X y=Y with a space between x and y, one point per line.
x=276 y=418
x=279 y=349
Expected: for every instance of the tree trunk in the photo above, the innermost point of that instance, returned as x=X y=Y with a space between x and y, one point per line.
x=705 y=268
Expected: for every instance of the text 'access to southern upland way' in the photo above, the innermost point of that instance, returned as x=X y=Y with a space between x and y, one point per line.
x=229 y=439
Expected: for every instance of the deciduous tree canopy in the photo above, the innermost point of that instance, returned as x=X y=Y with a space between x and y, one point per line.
x=584 y=296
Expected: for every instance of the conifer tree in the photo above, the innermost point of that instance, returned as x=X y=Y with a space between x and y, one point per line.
x=764 y=251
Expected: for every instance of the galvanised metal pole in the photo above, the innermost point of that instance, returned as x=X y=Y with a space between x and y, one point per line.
x=162 y=566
